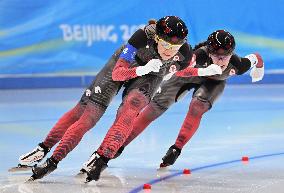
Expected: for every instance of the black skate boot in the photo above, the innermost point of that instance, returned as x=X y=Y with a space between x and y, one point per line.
x=99 y=164
x=88 y=164
x=171 y=156
x=44 y=169
x=119 y=152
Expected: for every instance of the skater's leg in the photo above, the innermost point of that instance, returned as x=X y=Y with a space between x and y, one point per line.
x=151 y=112
x=75 y=132
x=53 y=137
x=56 y=133
x=171 y=92
x=191 y=122
x=203 y=99
x=133 y=103
x=71 y=138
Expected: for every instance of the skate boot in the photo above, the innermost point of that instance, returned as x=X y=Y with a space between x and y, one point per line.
x=98 y=165
x=87 y=165
x=27 y=160
x=44 y=169
x=34 y=156
x=119 y=152
x=171 y=156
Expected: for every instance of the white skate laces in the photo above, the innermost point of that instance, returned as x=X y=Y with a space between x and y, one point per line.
x=34 y=156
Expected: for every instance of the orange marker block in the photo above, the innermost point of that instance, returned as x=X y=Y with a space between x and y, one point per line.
x=147 y=186
x=186 y=171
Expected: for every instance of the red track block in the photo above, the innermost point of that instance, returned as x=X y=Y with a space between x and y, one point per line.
x=147 y=186
x=245 y=159
x=186 y=171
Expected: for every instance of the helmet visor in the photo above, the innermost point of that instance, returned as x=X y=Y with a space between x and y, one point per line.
x=168 y=45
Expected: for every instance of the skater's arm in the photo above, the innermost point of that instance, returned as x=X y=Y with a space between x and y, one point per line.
x=242 y=65
x=251 y=61
x=186 y=65
x=123 y=69
x=190 y=71
x=199 y=57
x=191 y=60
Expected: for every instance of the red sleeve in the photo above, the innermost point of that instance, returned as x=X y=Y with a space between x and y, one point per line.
x=187 y=72
x=190 y=70
x=122 y=71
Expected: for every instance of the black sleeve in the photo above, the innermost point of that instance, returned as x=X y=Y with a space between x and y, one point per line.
x=242 y=65
x=187 y=52
x=201 y=57
x=138 y=39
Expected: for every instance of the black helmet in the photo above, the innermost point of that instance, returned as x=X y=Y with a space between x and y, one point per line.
x=221 y=42
x=172 y=29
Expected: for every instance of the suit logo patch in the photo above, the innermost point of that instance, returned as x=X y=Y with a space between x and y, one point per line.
x=173 y=69
x=232 y=72
x=176 y=58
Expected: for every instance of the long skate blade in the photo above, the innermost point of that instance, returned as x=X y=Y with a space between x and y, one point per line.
x=20 y=168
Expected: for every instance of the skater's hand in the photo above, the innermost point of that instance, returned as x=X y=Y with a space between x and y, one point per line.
x=257 y=74
x=211 y=70
x=257 y=64
x=153 y=65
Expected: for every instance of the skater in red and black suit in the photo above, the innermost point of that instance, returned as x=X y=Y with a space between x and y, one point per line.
x=140 y=65
x=173 y=54
x=218 y=49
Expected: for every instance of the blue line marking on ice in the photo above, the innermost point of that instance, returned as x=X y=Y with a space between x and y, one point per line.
x=157 y=180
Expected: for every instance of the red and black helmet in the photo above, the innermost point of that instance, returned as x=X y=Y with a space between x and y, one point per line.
x=172 y=29
x=221 y=42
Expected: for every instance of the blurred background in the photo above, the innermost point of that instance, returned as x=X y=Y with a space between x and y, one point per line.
x=44 y=40
x=51 y=50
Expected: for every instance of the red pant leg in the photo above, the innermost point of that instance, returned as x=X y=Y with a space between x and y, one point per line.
x=62 y=125
x=133 y=103
x=151 y=112
x=75 y=132
x=191 y=122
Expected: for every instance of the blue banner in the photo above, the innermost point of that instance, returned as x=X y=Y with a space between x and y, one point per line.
x=68 y=37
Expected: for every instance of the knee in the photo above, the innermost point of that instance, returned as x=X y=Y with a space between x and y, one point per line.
x=150 y=112
x=199 y=106
x=136 y=100
x=90 y=116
